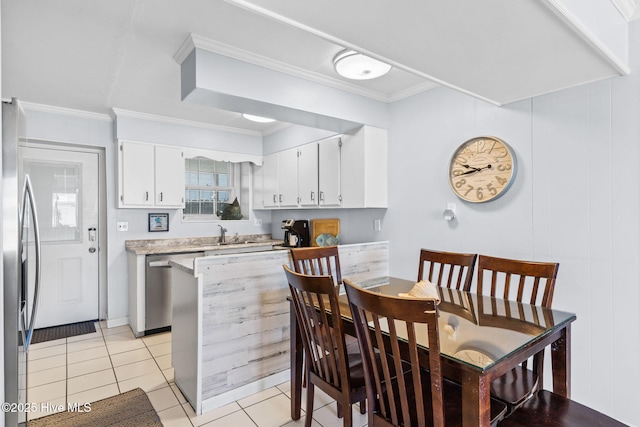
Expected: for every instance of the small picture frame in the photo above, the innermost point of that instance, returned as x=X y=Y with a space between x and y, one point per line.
x=158 y=222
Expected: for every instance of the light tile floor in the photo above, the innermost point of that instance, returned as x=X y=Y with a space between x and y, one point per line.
x=110 y=361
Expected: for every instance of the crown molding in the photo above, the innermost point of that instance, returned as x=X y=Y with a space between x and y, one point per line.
x=195 y=41
x=181 y=122
x=413 y=90
x=628 y=8
x=32 y=106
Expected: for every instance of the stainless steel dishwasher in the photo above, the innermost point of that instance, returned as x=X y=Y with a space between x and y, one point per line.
x=157 y=295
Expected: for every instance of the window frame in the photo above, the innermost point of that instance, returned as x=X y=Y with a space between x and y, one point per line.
x=235 y=188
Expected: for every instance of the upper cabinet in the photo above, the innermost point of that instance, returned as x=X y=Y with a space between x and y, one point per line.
x=364 y=168
x=348 y=171
x=330 y=172
x=150 y=175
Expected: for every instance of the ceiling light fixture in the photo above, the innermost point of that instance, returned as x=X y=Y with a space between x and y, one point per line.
x=353 y=65
x=258 y=119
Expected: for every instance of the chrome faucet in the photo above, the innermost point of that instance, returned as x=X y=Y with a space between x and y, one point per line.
x=222 y=231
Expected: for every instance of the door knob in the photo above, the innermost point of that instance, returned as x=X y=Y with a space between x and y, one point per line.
x=92 y=250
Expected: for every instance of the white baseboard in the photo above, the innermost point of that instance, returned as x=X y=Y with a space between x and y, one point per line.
x=120 y=321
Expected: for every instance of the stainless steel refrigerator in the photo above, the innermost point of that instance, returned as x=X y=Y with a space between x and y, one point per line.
x=21 y=264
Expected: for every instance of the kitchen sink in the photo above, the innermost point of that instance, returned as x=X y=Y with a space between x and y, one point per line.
x=246 y=242
x=240 y=247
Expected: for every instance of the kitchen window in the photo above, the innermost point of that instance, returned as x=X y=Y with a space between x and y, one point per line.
x=211 y=186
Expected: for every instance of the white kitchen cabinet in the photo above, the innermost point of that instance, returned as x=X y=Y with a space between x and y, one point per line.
x=308 y=175
x=364 y=168
x=279 y=180
x=329 y=173
x=347 y=171
x=150 y=175
x=288 y=178
x=169 y=176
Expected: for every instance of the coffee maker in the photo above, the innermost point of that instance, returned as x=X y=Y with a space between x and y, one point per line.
x=296 y=232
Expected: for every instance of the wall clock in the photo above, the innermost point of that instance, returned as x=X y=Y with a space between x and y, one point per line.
x=482 y=169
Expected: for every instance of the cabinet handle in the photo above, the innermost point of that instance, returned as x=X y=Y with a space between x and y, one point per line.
x=313 y=196
x=274 y=199
x=322 y=196
x=280 y=198
x=146 y=196
x=161 y=197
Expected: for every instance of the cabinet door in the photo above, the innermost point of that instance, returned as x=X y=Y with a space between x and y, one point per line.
x=288 y=178
x=270 y=181
x=136 y=174
x=169 y=177
x=329 y=172
x=308 y=174
x=364 y=168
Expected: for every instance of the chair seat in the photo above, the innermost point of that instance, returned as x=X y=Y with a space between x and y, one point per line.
x=515 y=387
x=452 y=401
x=552 y=410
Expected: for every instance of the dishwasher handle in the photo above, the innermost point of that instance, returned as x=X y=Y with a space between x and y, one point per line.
x=160 y=264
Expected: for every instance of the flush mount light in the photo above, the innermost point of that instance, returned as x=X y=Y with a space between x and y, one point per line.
x=353 y=65
x=258 y=119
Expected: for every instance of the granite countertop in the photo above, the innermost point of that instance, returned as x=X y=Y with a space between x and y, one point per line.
x=197 y=244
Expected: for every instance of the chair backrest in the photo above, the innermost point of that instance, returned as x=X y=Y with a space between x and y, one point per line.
x=523 y=281
x=447 y=269
x=322 y=334
x=315 y=261
x=399 y=400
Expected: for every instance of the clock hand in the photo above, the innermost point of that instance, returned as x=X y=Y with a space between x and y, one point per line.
x=468 y=167
x=475 y=170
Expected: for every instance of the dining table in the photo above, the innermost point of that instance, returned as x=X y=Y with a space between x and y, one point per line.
x=481 y=338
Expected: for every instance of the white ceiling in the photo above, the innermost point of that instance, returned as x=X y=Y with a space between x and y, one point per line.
x=121 y=54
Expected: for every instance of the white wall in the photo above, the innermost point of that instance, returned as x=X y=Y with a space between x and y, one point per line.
x=100 y=131
x=575 y=200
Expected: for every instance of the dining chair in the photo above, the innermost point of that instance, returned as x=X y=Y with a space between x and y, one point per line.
x=546 y=408
x=320 y=260
x=525 y=282
x=324 y=260
x=420 y=396
x=447 y=269
x=328 y=364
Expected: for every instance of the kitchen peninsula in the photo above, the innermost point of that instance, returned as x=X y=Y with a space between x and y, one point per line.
x=139 y=250
x=230 y=331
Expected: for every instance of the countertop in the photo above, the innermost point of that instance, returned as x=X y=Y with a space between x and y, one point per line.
x=197 y=244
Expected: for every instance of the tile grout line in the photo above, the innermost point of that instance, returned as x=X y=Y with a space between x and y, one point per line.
x=169 y=384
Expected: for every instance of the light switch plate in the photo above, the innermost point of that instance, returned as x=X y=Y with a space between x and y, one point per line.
x=123 y=226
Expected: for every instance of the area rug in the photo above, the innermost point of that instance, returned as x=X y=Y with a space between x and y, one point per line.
x=63 y=331
x=129 y=409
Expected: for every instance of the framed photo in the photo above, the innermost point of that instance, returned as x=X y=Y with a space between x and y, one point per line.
x=158 y=222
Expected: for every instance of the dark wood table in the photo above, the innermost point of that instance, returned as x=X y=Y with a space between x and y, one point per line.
x=481 y=338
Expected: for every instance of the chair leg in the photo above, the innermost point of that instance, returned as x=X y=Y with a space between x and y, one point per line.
x=340 y=412
x=309 y=408
x=363 y=406
x=347 y=421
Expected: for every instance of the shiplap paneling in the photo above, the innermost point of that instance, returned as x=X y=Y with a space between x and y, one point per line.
x=575 y=201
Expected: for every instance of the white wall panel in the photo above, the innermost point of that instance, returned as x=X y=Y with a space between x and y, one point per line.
x=575 y=201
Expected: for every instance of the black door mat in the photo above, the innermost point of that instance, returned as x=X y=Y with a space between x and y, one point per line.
x=63 y=331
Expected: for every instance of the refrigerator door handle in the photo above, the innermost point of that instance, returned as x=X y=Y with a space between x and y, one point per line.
x=27 y=193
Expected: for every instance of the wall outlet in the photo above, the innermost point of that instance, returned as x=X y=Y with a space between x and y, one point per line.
x=123 y=226
x=377 y=225
x=257 y=221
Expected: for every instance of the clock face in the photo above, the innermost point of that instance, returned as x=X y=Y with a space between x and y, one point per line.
x=482 y=169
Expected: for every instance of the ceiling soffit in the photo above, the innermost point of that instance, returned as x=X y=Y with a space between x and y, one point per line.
x=506 y=51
